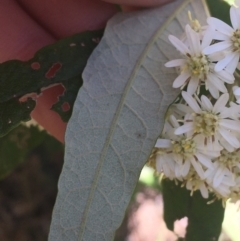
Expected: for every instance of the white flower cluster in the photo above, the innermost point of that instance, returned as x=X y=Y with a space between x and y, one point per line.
x=200 y=142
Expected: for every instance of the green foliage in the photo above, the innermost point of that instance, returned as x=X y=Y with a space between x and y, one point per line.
x=219 y=9
x=12 y=112
x=62 y=62
x=17 y=144
x=204 y=220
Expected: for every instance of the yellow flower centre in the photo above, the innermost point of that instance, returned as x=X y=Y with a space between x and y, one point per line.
x=198 y=66
x=229 y=159
x=236 y=40
x=206 y=123
x=184 y=147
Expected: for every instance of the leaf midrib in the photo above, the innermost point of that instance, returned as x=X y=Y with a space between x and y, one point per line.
x=116 y=116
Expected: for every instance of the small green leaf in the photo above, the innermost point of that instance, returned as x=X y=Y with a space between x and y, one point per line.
x=204 y=220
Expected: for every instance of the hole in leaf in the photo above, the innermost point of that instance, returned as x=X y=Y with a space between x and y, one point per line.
x=35 y=65
x=53 y=70
x=32 y=95
x=180 y=227
x=65 y=107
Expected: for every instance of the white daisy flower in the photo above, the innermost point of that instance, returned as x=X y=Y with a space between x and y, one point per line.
x=230 y=37
x=210 y=120
x=180 y=153
x=197 y=67
x=220 y=179
x=194 y=183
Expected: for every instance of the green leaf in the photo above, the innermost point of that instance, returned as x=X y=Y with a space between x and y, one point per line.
x=13 y=112
x=204 y=220
x=219 y=9
x=176 y=202
x=62 y=62
x=52 y=64
x=16 y=145
x=117 y=117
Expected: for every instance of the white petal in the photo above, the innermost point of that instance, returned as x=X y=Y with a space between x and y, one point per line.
x=204 y=160
x=213 y=90
x=226 y=76
x=208 y=37
x=220 y=26
x=224 y=62
x=185 y=168
x=236 y=90
x=184 y=128
x=232 y=140
x=173 y=121
x=191 y=101
x=163 y=143
x=193 y=39
x=217 y=47
x=221 y=102
x=175 y=63
x=225 y=113
x=235 y=20
x=226 y=145
x=217 y=83
x=206 y=103
x=198 y=168
x=220 y=36
x=185 y=109
x=189 y=185
x=181 y=79
x=218 y=177
x=166 y=170
x=179 y=45
x=192 y=85
x=230 y=124
x=203 y=190
x=231 y=67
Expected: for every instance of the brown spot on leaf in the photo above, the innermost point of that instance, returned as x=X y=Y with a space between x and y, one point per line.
x=53 y=70
x=65 y=106
x=72 y=44
x=35 y=65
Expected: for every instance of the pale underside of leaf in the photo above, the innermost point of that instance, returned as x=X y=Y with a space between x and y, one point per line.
x=117 y=117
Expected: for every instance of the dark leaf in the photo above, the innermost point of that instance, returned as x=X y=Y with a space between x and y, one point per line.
x=13 y=112
x=19 y=143
x=219 y=9
x=50 y=65
x=204 y=220
x=176 y=202
x=62 y=62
